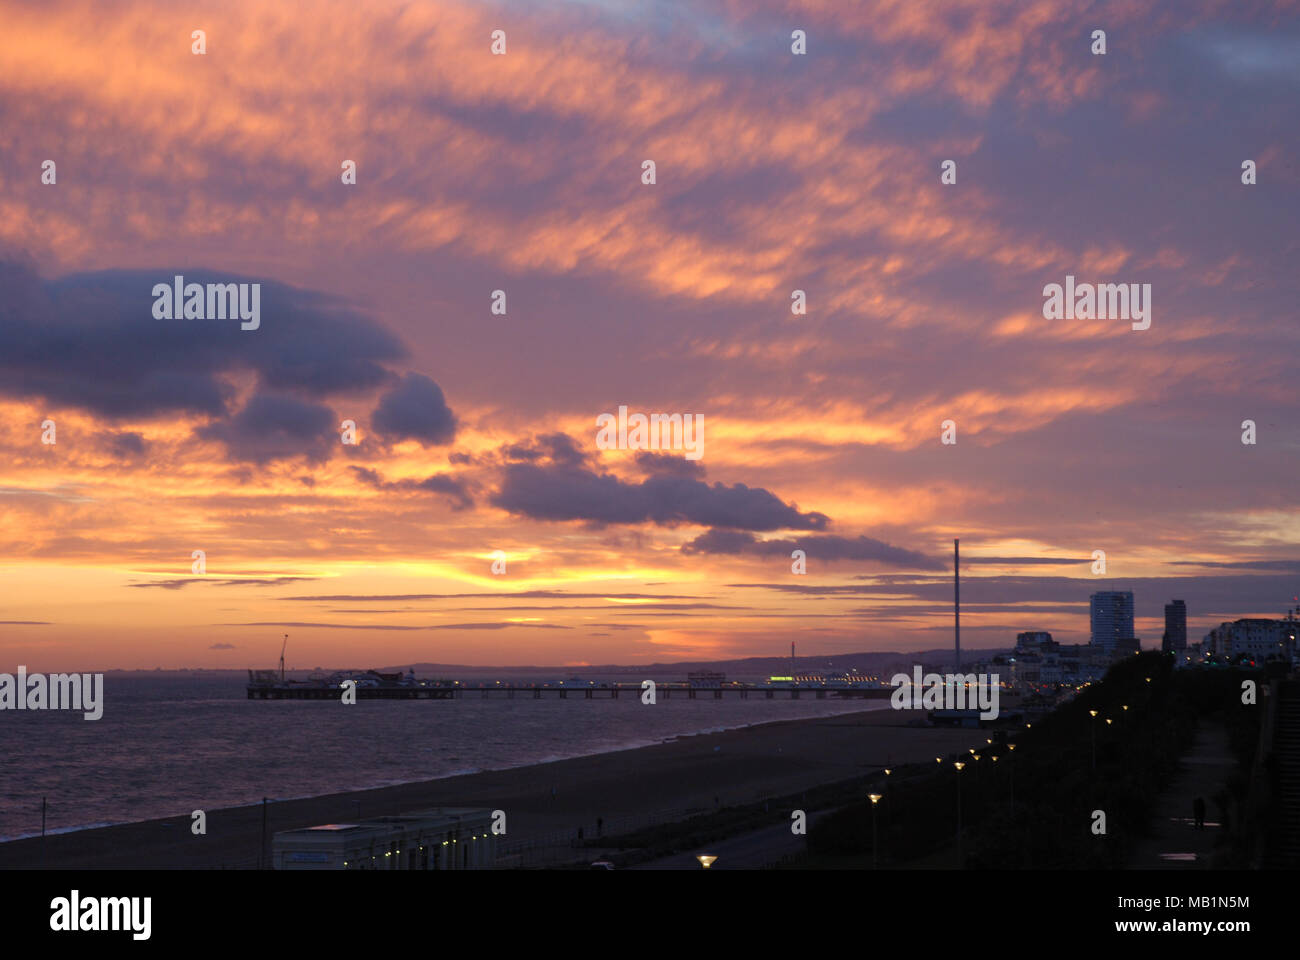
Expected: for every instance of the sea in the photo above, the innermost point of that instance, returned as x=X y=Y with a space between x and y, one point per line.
x=169 y=743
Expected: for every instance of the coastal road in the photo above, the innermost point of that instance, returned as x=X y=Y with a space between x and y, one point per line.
x=746 y=851
x=1174 y=843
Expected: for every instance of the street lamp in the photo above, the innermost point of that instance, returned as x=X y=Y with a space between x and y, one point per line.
x=888 y=771
x=1012 y=757
x=960 y=861
x=875 y=849
x=706 y=861
x=1093 y=728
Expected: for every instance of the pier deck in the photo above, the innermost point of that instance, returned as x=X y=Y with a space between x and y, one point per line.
x=562 y=692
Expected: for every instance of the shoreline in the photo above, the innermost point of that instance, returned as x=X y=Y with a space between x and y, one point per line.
x=459 y=772
x=686 y=774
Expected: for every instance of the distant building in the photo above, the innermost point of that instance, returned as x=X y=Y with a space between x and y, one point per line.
x=1035 y=641
x=1175 y=639
x=1046 y=663
x=706 y=678
x=450 y=838
x=1112 y=618
x=1126 y=647
x=1255 y=638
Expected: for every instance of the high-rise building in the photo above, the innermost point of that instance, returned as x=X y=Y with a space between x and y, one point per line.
x=1112 y=618
x=1175 y=640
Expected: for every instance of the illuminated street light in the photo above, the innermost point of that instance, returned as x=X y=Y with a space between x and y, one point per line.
x=875 y=848
x=1012 y=748
x=959 y=765
x=706 y=861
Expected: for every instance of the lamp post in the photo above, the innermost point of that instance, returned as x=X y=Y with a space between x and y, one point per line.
x=875 y=848
x=1011 y=758
x=960 y=861
x=1093 y=728
x=888 y=772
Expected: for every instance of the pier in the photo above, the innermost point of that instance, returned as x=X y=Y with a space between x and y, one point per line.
x=308 y=691
x=564 y=691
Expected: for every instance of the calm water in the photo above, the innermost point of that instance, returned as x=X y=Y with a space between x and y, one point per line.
x=170 y=744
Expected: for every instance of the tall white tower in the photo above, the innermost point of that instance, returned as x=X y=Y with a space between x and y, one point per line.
x=956 y=599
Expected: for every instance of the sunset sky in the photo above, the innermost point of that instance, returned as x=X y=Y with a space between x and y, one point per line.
x=523 y=173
